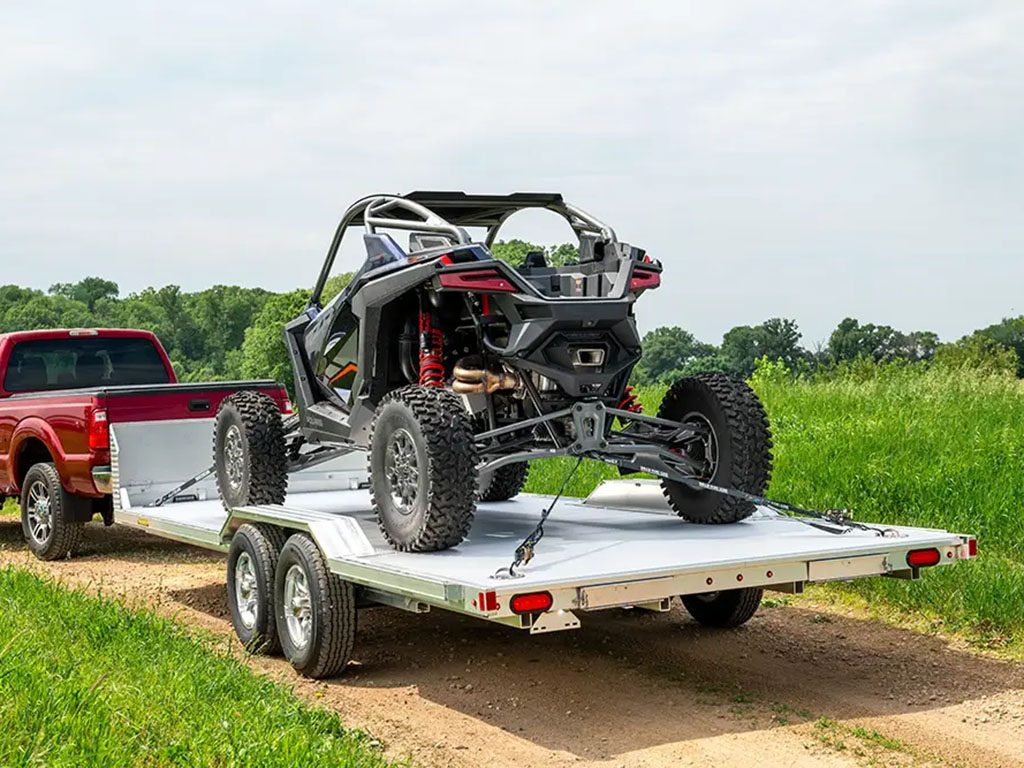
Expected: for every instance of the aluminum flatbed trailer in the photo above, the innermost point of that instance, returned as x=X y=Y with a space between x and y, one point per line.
x=622 y=546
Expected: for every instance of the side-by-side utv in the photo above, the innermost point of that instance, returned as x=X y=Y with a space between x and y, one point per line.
x=453 y=370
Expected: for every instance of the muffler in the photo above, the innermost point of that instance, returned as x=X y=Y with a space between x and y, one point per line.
x=472 y=379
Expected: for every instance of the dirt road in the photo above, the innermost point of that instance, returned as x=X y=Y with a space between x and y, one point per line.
x=795 y=687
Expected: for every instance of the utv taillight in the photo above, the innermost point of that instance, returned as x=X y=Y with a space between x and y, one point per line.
x=643 y=279
x=99 y=430
x=477 y=280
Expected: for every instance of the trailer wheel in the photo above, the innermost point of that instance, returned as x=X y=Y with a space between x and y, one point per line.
x=726 y=609
x=49 y=514
x=252 y=561
x=315 y=610
x=736 y=449
x=422 y=463
x=505 y=482
x=249 y=451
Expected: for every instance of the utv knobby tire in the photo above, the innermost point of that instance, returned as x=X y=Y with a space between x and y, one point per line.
x=505 y=482
x=744 y=460
x=252 y=422
x=64 y=530
x=437 y=425
x=724 y=610
x=332 y=606
x=261 y=545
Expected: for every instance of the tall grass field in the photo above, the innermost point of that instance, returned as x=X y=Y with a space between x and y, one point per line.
x=901 y=445
x=88 y=682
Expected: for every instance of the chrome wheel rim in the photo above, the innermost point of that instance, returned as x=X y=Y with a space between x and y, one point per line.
x=40 y=512
x=246 y=590
x=298 y=609
x=702 y=447
x=234 y=457
x=402 y=471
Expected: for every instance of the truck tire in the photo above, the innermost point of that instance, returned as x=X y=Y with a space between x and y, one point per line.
x=724 y=610
x=249 y=451
x=505 y=482
x=49 y=514
x=422 y=463
x=252 y=563
x=315 y=610
x=737 y=454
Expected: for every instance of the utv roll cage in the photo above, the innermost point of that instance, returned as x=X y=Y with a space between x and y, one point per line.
x=449 y=213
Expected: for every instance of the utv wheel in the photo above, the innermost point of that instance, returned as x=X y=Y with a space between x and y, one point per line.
x=249 y=451
x=315 y=610
x=252 y=562
x=48 y=514
x=505 y=482
x=422 y=465
x=724 y=610
x=735 y=451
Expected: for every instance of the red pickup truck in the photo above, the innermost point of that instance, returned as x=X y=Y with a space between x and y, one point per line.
x=59 y=393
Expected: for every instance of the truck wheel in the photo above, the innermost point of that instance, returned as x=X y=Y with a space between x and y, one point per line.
x=252 y=561
x=505 y=482
x=736 y=451
x=726 y=609
x=422 y=465
x=48 y=514
x=249 y=451
x=314 y=609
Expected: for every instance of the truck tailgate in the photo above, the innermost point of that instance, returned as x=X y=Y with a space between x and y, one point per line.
x=170 y=402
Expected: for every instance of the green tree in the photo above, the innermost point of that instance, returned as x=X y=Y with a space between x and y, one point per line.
x=851 y=340
x=978 y=352
x=775 y=339
x=88 y=290
x=514 y=252
x=1009 y=333
x=666 y=352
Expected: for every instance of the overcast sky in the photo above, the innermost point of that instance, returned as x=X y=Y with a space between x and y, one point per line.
x=808 y=160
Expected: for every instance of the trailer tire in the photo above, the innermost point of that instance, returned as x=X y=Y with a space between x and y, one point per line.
x=249 y=451
x=422 y=464
x=740 y=447
x=724 y=610
x=252 y=563
x=50 y=516
x=315 y=610
x=505 y=482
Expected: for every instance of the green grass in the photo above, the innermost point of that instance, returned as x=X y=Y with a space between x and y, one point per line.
x=905 y=445
x=88 y=682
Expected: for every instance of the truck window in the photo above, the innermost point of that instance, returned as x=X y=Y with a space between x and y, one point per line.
x=72 y=363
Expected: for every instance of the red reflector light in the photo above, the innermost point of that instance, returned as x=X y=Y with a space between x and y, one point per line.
x=972 y=548
x=481 y=281
x=99 y=430
x=643 y=279
x=531 y=602
x=919 y=558
x=486 y=601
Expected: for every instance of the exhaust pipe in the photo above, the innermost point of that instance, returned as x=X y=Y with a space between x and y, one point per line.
x=471 y=379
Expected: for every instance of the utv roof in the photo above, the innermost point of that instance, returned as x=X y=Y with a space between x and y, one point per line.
x=482 y=210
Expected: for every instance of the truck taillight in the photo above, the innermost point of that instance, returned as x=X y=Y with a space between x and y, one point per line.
x=99 y=430
x=287 y=410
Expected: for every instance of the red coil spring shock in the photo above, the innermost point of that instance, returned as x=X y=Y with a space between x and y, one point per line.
x=431 y=352
x=629 y=401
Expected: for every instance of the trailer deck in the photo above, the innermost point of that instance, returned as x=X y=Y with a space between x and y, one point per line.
x=621 y=546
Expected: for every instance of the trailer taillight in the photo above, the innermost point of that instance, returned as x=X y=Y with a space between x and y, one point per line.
x=99 y=430
x=919 y=558
x=531 y=602
x=478 y=280
x=972 y=548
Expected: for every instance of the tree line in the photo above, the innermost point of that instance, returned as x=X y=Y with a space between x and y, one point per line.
x=230 y=332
